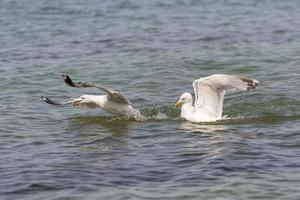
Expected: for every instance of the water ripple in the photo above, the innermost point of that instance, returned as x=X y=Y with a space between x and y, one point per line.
x=151 y=51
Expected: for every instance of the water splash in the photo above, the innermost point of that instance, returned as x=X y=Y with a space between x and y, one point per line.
x=160 y=113
x=158 y=116
x=169 y=113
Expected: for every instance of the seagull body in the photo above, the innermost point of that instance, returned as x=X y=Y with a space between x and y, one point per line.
x=104 y=102
x=209 y=96
x=113 y=102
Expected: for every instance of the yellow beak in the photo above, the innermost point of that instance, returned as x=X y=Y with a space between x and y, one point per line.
x=74 y=102
x=178 y=104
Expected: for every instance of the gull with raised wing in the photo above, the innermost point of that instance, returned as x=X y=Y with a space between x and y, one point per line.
x=112 y=102
x=209 y=96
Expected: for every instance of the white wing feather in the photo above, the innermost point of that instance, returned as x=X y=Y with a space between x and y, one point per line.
x=210 y=91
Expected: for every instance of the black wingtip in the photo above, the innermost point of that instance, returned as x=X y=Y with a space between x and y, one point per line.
x=49 y=101
x=68 y=80
x=46 y=99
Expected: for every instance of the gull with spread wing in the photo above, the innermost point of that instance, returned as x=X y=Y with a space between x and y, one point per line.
x=112 y=102
x=209 y=96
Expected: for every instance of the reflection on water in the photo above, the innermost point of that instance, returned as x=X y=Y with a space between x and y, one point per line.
x=117 y=126
x=212 y=138
x=150 y=51
x=100 y=133
x=203 y=128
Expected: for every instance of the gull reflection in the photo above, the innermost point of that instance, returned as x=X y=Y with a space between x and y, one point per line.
x=100 y=133
x=208 y=128
x=117 y=126
x=211 y=139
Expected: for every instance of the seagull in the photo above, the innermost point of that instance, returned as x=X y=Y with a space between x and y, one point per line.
x=209 y=96
x=112 y=102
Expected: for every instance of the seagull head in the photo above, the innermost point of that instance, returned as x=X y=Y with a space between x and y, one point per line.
x=184 y=98
x=87 y=100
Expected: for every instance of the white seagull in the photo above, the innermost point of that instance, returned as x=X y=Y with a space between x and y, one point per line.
x=209 y=96
x=113 y=102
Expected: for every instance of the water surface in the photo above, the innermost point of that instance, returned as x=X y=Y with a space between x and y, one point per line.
x=151 y=51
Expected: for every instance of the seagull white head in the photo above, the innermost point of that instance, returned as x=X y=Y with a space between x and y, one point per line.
x=184 y=98
x=88 y=100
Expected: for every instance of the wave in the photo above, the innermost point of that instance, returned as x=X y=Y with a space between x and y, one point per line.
x=230 y=117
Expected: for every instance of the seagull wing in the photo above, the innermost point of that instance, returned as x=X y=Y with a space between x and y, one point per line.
x=52 y=102
x=112 y=94
x=210 y=91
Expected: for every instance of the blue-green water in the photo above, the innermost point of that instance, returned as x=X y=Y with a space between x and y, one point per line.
x=151 y=51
